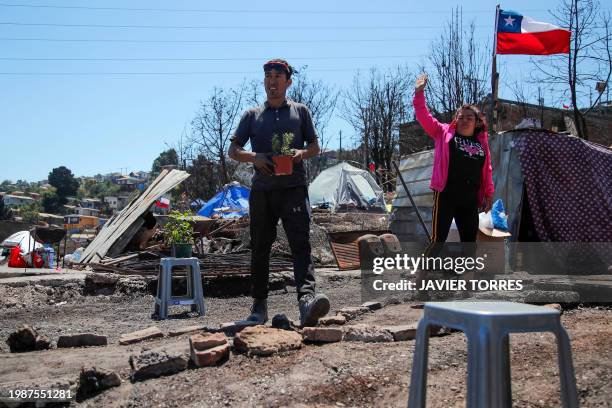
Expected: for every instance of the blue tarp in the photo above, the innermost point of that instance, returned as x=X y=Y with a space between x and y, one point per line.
x=197 y=203
x=231 y=202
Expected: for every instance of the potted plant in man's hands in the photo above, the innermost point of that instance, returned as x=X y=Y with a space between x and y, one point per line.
x=282 y=153
x=178 y=232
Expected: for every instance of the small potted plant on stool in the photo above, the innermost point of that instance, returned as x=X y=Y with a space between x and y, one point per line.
x=178 y=232
x=282 y=153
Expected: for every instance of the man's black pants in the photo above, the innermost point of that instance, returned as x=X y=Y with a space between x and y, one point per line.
x=291 y=205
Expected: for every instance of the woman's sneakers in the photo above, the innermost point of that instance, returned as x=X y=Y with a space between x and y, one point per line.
x=312 y=308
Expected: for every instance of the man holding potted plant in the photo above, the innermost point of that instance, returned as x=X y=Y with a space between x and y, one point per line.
x=275 y=128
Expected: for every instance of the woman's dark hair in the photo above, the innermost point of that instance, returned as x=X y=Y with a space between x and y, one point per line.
x=481 y=120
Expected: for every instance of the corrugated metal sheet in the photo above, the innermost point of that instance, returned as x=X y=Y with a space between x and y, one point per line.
x=345 y=248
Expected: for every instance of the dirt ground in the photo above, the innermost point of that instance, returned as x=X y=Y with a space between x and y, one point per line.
x=338 y=374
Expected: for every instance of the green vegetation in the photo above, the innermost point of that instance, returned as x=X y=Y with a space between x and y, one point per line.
x=281 y=144
x=178 y=229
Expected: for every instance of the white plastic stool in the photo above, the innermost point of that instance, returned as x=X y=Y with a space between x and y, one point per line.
x=487 y=325
x=195 y=293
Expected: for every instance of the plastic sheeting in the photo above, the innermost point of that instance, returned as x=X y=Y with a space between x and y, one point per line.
x=21 y=238
x=231 y=202
x=346 y=187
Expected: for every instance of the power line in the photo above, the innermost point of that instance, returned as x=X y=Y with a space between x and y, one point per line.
x=252 y=11
x=210 y=59
x=187 y=73
x=161 y=73
x=220 y=41
x=229 y=27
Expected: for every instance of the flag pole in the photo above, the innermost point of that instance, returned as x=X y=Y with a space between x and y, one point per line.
x=494 y=75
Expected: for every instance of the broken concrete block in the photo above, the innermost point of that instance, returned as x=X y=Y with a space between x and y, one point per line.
x=207 y=340
x=212 y=356
x=265 y=341
x=402 y=333
x=371 y=306
x=140 y=335
x=352 y=312
x=155 y=363
x=322 y=334
x=332 y=320
x=367 y=334
x=93 y=381
x=187 y=329
x=81 y=340
x=208 y=350
x=25 y=338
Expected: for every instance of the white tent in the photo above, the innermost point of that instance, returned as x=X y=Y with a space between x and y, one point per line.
x=21 y=238
x=344 y=187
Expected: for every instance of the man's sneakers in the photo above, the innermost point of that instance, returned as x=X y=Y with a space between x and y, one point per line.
x=312 y=308
x=259 y=311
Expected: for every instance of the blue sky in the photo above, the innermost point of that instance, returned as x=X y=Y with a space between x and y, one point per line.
x=104 y=113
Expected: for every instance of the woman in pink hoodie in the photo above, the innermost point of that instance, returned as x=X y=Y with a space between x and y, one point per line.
x=462 y=178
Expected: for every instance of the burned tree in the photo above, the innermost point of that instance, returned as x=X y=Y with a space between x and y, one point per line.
x=458 y=68
x=588 y=63
x=375 y=110
x=212 y=127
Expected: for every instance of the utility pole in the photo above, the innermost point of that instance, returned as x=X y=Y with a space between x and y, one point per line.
x=340 y=151
x=494 y=76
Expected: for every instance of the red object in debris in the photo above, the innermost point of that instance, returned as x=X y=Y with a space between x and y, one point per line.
x=372 y=167
x=37 y=260
x=283 y=165
x=15 y=258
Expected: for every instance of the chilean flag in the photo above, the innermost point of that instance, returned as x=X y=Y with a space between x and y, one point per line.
x=518 y=34
x=163 y=203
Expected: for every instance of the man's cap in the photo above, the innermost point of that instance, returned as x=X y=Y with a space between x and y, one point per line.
x=279 y=64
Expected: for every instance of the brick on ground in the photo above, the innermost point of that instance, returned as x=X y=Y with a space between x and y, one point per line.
x=332 y=320
x=208 y=349
x=140 y=335
x=367 y=334
x=403 y=332
x=322 y=334
x=266 y=341
x=187 y=329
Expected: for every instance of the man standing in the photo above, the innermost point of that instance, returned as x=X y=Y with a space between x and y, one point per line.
x=283 y=197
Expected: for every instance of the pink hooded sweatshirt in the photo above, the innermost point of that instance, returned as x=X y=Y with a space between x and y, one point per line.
x=442 y=134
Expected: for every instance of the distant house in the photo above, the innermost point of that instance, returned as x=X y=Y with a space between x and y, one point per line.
x=91 y=203
x=88 y=180
x=75 y=223
x=142 y=175
x=87 y=211
x=12 y=200
x=127 y=180
x=51 y=218
x=116 y=203
x=111 y=201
